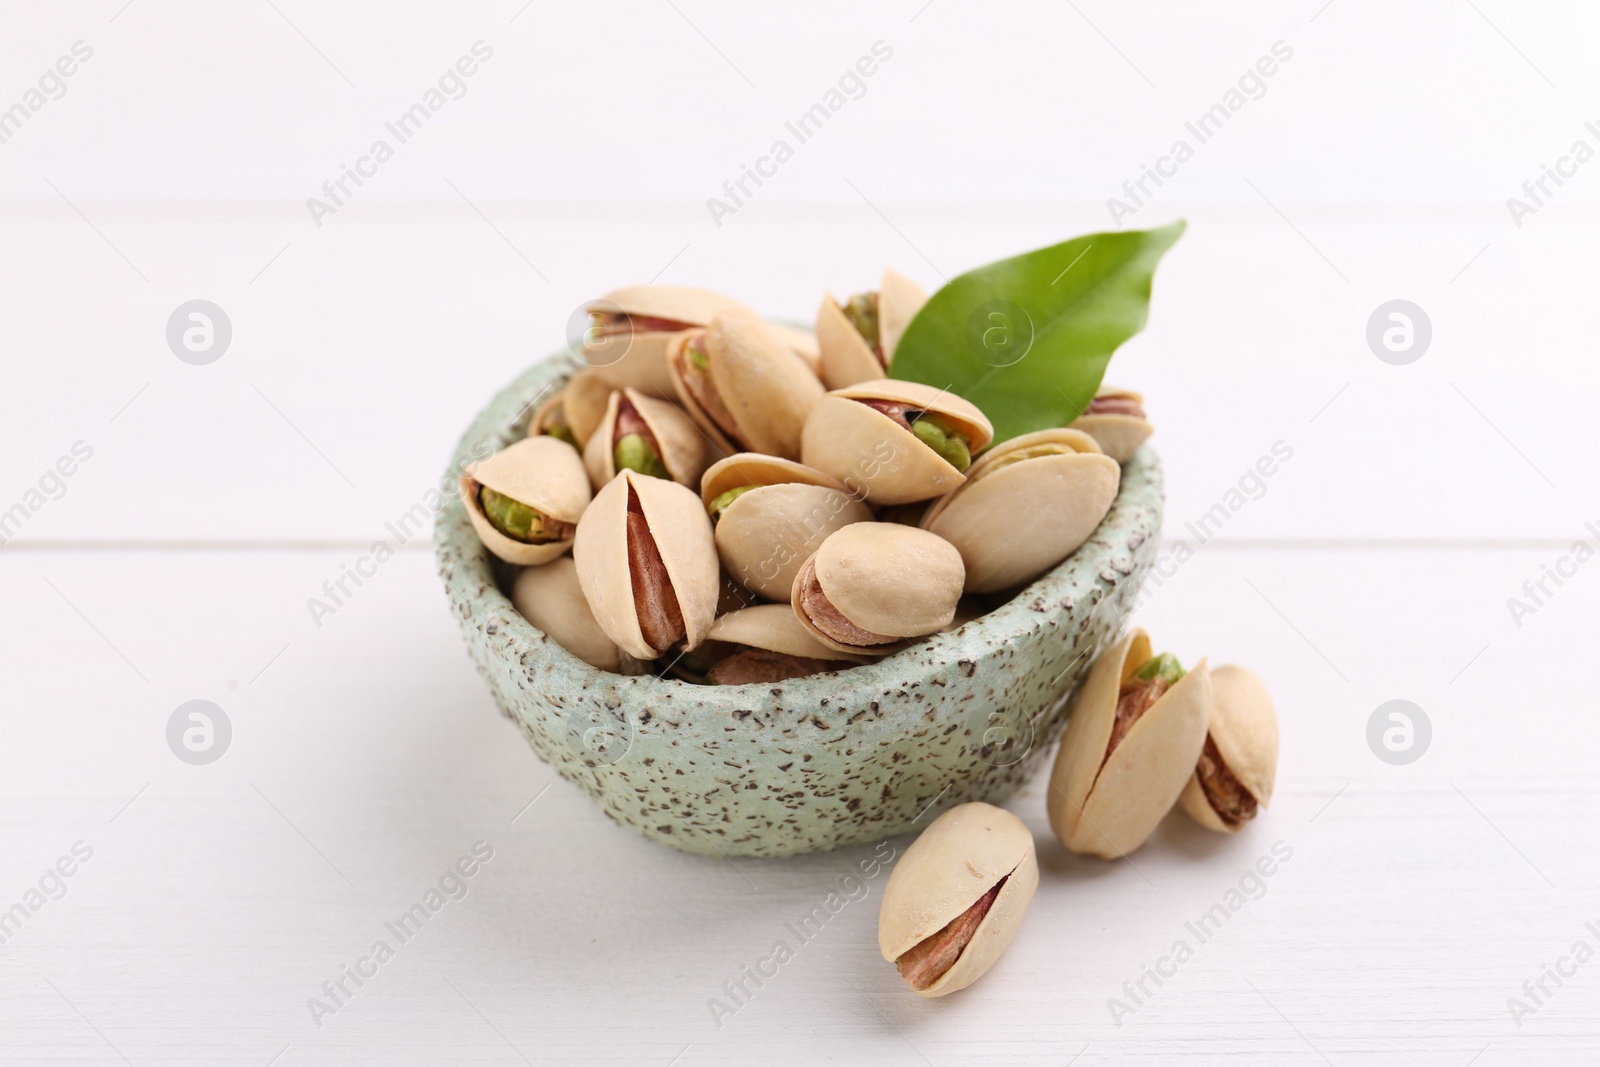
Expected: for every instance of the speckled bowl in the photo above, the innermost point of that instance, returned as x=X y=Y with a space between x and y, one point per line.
x=814 y=763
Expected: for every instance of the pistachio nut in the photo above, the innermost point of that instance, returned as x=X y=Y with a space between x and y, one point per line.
x=742 y=385
x=957 y=897
x=872 y=585
x=1233 y=779
x=1135 y=734
x=770 y=514
x=551 y=598
x=857 y=339
x=647 y=564
x=766 y=643
x=525 y=500
x=646 y=435
x=894 y=442
x=573 y=414
x=1027 y=504
x=1115 y=419
x=630 y=329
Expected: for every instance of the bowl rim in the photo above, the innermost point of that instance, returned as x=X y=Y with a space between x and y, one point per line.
x=468 y=571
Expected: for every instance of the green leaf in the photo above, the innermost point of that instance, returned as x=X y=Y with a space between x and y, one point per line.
x=1027 y=339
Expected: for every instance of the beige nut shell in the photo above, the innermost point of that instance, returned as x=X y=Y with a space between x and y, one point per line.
x=846 y=358
x=683 y=448
x=542 y=472
x=766 y=534
x=583 y=403
x=641 y=363
x=802 y=342
x=1013 y=519
x=1119 y=436
x=890 y=579
x=873 y=454
x=944 y=872
x=551 y=598
x=1109 y=807
x=682 y=534
x=1245 y=731
x=766 y=389
x=774 y=628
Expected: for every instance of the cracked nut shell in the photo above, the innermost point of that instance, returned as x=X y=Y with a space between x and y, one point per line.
x=1027 y=504
x=678 y=445
x=873 y=585
x=860 y=436
x=1239 y=764
x=542 y=473
x=647 y=564
x=957 y=897
x=1116 y=420
x=1108 y=803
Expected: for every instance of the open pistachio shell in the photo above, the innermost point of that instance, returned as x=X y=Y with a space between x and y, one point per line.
x=754 y=394
x=847 y=357
x=681 y=447
x=1118 y=433
x=874 y=455
x=873 y=584
x=1026 y=505
x=551 y=598
x=633 y=354
x=579 y=406
x=774 y=628
x=1244 y=731
x=1108 y=806
x=939 y=887
x=656 y=563
x=541 y=472
x=784 y=515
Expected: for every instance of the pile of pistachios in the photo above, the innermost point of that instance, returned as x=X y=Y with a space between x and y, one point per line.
x=1143 y=735
x=747 y=501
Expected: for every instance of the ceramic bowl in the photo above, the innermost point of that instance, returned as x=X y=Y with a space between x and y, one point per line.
x=815 y=763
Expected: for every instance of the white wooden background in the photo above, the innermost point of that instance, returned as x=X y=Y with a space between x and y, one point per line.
x=367 y=756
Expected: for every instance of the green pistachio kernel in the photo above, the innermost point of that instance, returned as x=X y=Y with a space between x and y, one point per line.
x=862 y=311
x=1165 y=666
x=944 y=439
x=698 y=358
x=720 y=504
x=513 y=518
x=634 y=453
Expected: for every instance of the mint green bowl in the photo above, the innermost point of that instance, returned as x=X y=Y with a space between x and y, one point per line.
x=815 y=763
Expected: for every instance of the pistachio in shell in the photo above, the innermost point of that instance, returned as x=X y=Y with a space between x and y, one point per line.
x=1115 y=419
x=551 y=598
x=573 y=414
x=766 y=643
x=1234 y=777
x=957 y=897
x=743 y=385
x=647 y=564
x=630 y=328
x=857 y=338
x=894 y=442
x=1134 y=736
x=873 y=585
x=1026 y=505
x=770 y=514
x=525 y=500
x=646 y=435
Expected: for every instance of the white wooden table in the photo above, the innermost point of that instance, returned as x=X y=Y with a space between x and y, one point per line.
x=366 y=759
